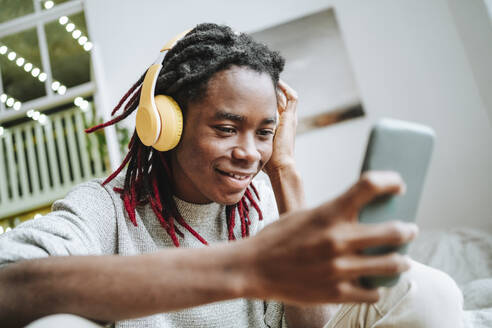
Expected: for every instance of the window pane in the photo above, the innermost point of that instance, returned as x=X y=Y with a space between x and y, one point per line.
x=20 y=64
x=10 y=9
x=70 y=62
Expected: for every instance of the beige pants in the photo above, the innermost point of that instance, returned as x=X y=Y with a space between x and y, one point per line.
x=424 y=298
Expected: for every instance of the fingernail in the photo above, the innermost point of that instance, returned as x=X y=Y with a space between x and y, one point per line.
x=403 y=190
x=413 y=228
x=408 y=261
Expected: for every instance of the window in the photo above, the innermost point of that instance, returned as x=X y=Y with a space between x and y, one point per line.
x=46 y=101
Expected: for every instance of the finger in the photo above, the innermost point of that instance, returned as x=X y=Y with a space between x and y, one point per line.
x=372 y=184
x=393 y=233
x=290 y=93
x=290 y=107
x=350 y=292
x=355 y=266
x=281 y=100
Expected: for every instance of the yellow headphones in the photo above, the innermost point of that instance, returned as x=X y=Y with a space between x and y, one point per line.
x=159 y=120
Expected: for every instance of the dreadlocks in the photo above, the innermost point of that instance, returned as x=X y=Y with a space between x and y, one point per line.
x=187 y=68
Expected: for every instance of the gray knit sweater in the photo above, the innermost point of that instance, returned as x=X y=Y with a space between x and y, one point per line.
x=91 y=220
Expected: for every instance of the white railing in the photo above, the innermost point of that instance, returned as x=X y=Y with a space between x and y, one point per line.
x=41 y=163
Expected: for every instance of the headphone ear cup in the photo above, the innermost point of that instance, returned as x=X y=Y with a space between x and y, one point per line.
x=171 y=123
x=147 y=125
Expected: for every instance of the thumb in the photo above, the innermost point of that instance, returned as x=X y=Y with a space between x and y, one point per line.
x=371 y=185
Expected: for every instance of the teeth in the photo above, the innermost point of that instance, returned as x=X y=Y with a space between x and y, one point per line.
x=239 y=177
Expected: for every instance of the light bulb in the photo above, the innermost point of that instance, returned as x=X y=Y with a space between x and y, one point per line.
x=76 y=34
x=3 y=97
x=82 y=40
x=3 y=50
x=20 y=61
x=84 y=105
x=11 y=56
x=17 y=105
x=88 y=46
x=35 y=72
x=63 y=20
x=62 y=89
x=55 y=85
x=70 y=27
x=36 y=115
x=43 y=118
x=10 y=102
x=30 y=113
x=78 y=101
x=42 y=77
x=28 y=67
x=48 y=4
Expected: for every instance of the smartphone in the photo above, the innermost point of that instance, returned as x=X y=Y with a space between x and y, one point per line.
x=406 y=148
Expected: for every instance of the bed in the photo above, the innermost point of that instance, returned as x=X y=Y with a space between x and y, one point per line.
x=466 y=255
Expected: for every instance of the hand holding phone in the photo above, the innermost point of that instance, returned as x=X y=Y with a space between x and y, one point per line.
x=406 y=148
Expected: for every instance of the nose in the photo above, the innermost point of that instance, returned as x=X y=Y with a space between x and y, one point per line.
x=246 y=150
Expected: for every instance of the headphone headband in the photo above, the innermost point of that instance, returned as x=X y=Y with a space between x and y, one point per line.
x=171 y=43
x=151 y=117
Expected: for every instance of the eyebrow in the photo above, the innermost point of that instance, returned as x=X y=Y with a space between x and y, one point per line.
x=222 y=115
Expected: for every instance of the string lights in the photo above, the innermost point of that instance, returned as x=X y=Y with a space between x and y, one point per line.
x=81 y=103
x=35 y=71
x=70 y=27
x=38 y=73
x=10 y=101
x=37 y=116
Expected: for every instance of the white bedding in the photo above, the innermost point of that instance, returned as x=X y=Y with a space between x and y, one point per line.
x=466 y=255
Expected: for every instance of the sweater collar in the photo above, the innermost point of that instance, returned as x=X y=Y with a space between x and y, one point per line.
x=198 y=212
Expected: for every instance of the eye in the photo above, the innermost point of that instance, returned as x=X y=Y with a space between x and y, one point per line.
x=225 y=129
x=265 y=132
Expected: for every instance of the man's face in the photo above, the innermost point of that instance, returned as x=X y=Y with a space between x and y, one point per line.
x=227 y=137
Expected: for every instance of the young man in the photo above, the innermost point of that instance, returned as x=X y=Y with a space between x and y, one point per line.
x=162 y=211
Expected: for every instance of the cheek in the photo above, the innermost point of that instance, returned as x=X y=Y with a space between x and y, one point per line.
x=266 y=151
x=199 y=155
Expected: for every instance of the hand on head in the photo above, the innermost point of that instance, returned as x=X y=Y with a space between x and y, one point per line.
x=284 y=142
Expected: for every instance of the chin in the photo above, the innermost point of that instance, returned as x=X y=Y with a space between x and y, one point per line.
x=230 y=199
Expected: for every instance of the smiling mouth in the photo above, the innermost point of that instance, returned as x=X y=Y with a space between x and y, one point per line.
x=237 y=176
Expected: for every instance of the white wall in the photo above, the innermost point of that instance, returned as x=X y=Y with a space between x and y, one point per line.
x=130 y=34
x=475 y=30
x=409 y=63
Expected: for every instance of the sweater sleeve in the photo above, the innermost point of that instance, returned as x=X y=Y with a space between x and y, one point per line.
x=82 y=223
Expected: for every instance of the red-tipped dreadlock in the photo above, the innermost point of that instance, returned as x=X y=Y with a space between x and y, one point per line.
x=189 y=65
